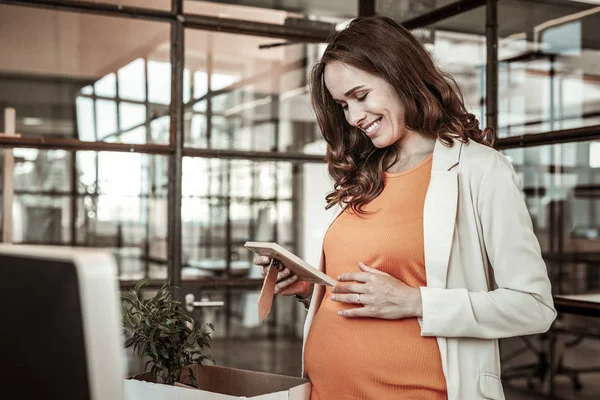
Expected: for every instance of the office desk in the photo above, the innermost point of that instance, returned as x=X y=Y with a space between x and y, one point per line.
x=579 y=304
x=573 y=304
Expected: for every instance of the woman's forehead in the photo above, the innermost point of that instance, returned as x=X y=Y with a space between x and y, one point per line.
x=340 y=78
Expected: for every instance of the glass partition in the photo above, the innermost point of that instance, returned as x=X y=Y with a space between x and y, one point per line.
x=548 y=71
x=89 y=77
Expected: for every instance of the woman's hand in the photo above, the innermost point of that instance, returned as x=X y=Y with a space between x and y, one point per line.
x=381 y=295
x=288 y=284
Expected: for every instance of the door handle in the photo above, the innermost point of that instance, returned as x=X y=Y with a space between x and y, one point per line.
x=191 y=304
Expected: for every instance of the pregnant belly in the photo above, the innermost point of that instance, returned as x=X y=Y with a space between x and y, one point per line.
x=367 y=357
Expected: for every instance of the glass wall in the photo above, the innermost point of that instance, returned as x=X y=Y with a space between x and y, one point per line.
x=75 y=75
x=547 y=82
x=458 y=46
x=95 y=78
x=82 y=76
x=111 y=200
x=164 y=5
x=548 y=71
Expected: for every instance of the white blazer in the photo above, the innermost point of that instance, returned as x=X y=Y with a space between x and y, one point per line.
x=475 y=216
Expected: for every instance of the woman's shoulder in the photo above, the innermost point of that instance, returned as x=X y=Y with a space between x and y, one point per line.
x=479 y=161
x=478 y=156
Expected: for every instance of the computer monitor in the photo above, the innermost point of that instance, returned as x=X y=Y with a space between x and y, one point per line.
x=60 y=324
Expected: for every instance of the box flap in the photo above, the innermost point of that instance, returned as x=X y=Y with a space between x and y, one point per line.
x=195 y=394
x=238 y=382
x=140 y=390
x=301 y=392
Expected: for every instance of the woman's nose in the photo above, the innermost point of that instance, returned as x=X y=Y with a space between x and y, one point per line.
x=356 y=117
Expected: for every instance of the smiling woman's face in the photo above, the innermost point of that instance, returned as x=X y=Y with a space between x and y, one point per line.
x=369 y=103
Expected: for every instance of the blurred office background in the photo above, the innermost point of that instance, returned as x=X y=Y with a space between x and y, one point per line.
x=172 y=141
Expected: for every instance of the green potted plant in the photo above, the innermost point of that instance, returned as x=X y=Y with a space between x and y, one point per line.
x=159 y=328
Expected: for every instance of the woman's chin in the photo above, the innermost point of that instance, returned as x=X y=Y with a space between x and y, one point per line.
x=380 y=144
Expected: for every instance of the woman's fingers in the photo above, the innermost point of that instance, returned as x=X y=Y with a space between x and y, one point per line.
x=366 y=268
x=353 y=298
x=360 y=312
x=349 y=288
x=283 y=274
x=355 y=276
x=285 y=277
x=285 y=283
x=301 y=288
x=261 y=260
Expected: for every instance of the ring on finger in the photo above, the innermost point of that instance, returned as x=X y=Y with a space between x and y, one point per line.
x=358 y=299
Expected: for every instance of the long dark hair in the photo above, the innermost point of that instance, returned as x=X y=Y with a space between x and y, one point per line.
x=433 y=105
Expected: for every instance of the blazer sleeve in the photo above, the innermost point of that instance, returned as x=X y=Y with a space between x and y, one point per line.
x=522 y=303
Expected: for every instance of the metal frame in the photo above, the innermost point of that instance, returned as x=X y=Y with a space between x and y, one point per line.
x=366 y=8
x=491 y=70
x=176 y=142
x=154 y=149
x=177 y=16
x=175 y=150
x=441 y=13
x=491 y=83
x=552 y=137
x=114 y=10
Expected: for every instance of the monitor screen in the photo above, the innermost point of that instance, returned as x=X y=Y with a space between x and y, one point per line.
x=42 y=329
x=52 y=309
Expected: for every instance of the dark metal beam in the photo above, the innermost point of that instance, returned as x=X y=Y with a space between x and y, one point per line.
x=44 y=143
x=578 y=191
x=530 y=55
x=553 y=137
x=253 y=155
x=366 y=8
x=491 y=66
x=591 y=114
x=491 y=82
x=113 y=10
x=209 y=283
x=41 y=78
x=74 y=184
x=441 y=13
x=175 y=142
x=193 y=21
x=289 y=32
x=63 y=193
x=577 y=307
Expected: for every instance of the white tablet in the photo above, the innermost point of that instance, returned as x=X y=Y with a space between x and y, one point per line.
x=298 y=266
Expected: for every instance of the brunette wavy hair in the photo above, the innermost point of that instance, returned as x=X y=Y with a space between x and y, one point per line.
x=433 y=105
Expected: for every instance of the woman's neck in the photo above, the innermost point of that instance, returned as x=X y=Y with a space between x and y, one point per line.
x=412 y=150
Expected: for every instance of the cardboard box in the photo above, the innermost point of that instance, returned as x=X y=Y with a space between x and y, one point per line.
x=219 y=383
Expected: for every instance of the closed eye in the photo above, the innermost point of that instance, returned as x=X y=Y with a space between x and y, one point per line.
x=359 y=99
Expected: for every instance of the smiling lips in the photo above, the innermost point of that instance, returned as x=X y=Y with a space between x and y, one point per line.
x=371 y=128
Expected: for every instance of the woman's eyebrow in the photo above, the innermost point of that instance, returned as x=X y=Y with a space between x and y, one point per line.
x=350 y=92
x=354 y=89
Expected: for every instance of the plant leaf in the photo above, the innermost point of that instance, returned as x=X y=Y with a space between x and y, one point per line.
x=129 y=342
x=139 y=285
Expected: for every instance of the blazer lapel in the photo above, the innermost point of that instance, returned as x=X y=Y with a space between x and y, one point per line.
x=439 y=214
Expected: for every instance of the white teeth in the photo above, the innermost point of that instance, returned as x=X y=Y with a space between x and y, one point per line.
x=373 y=126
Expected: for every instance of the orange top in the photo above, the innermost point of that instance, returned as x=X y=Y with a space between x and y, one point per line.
x=370 y=358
